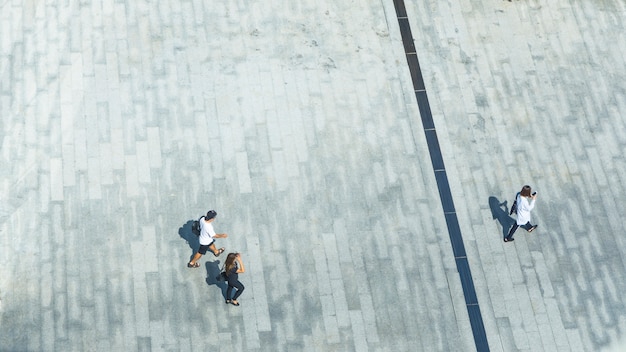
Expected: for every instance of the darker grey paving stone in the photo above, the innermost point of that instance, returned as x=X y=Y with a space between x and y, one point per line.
x=400 y=8
x=16 y=335
x=444 y=192
x=407 y=38
x=268 y=339
x=416 y=72
x=144 y=344
x=424 y=108
x=67 y=344
x=351 y=288
x=434 y=150
x=155 y=303
x=454 y=231
x=478 y=328
x=466 y=281
x=293 y=346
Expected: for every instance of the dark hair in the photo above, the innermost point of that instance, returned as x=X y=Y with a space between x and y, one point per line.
x=230 y=262
x=210 y=214
x=525 y=192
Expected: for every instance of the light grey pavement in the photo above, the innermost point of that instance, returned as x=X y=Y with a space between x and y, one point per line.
x=122 y=121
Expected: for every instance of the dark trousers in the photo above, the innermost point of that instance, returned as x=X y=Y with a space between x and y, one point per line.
x=514 y=228
x=234 y=284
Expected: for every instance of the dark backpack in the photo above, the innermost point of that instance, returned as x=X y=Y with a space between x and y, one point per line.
x=196 y=226
x=514 y=205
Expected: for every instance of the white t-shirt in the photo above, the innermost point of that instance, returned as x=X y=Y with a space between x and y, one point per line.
x=206 y=232
x=524 y=206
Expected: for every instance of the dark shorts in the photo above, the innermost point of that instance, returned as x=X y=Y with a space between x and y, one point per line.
x=204 y=247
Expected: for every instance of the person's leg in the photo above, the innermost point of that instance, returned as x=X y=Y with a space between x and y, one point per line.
x=229 y=290
x=529 y=227
x=201 y=251
x=509 y=237
x=216 y=252
x=240 y=289
x=195 y=258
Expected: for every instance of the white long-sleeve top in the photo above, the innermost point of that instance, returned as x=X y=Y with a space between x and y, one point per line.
x=524 y=206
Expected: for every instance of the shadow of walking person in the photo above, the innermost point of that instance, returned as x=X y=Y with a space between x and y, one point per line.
x=186 y=232
x=500 y=212
x=214 y=277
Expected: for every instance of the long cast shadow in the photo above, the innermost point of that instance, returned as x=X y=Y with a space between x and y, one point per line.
x=500 y=212
x=186 y=232
x=213 y=276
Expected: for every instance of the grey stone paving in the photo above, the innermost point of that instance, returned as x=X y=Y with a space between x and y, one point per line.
x=122 y=121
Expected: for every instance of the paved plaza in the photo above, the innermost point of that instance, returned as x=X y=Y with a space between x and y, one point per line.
x=123 y=121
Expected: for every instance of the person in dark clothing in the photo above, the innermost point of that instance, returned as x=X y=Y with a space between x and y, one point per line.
x=233 y=267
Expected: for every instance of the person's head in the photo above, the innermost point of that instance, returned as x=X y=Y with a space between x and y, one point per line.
x=230 y=261
x=210 y=215
x=525 y=192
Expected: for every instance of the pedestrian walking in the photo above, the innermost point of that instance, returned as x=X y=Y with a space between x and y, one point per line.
x=233 y=267
x=525 y=203
x=207 y=239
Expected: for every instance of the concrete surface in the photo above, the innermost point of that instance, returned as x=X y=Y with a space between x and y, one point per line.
x=122 y=121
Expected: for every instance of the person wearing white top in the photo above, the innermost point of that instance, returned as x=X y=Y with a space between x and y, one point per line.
x=207 y=239
x=525 y=203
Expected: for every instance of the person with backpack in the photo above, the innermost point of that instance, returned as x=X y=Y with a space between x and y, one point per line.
x=233 y=267
x=524 y=203
x=207 y=239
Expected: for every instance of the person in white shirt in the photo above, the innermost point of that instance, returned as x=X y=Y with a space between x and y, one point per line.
x=207 y=239
x=525 y=203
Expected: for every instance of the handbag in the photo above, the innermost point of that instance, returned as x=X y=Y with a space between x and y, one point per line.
x=222 y=276
x=514 y=205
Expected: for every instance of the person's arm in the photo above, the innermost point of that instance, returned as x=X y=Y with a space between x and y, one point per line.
x=240 y=267
x=531 y=203
x=220 y=235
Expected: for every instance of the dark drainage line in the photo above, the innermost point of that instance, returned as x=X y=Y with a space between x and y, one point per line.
x=454 y=230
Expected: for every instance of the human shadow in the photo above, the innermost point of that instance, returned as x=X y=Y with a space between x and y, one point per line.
x=186 y=232
x=500 y=212
x=213 y=276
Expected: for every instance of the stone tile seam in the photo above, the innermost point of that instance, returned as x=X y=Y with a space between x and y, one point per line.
x=475 y=316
